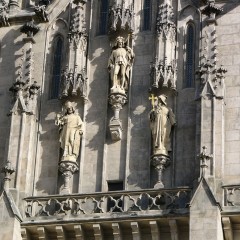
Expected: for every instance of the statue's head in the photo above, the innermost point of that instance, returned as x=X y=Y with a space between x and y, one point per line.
x=163 y=99
x=69 y=107
x=119 y=42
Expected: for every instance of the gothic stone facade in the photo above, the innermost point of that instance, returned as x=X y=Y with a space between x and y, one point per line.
x=120 y=119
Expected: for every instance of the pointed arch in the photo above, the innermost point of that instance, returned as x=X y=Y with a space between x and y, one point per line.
x=57 y=50
x=190 y=55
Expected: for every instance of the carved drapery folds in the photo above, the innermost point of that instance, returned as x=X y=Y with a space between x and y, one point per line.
x=121 y=28
x=164 y=69
x=162 y=119
x=73 y=77
x=70 y=131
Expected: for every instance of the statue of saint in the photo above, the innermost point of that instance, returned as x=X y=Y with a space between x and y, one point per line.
x=70 y=128
x=161 y=121
x=119 y=65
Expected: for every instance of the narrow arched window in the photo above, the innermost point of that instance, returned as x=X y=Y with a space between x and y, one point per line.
x=103 y=17
x=147 y=15
x=57 y=65
x=190 y=57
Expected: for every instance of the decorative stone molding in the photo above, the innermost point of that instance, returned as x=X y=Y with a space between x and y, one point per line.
x=25 y=90
x=121 y=17
x=77 y=32
x=91 y=205
x=160 y=163
x=67 y=168
x=204 y=158
x=232 y=195
x=24 y=97
x=41 y=13
x=211 y=79
x=116 y=100
x=73 y=83
x=210 y=76
x=30 y=29
x=8 y=170
x=164 y=75
x=74 y=77
x=4 y=17
x=164 y=68
x=165 y=23
x=211 y=10
x=13 y=5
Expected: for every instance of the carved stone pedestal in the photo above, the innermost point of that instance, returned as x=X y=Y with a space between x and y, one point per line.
x=117 y=100
x=160 y=162
x=115 y=127
x=67 y=168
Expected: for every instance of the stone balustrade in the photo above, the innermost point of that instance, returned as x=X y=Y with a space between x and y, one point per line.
x=108 y=203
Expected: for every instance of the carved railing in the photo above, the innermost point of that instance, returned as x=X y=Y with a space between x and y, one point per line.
x=81 y=205
x=231 y=195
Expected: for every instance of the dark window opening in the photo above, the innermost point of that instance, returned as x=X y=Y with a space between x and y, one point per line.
x=57 y=65
x=190 y=57
x=115 y=204
x=147 y=15
x=103 y=20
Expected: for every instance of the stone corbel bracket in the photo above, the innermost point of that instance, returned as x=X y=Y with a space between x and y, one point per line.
x=116 y=100
x=160 y=162
x=211 y=10
x=67 y=168
x=10 y=13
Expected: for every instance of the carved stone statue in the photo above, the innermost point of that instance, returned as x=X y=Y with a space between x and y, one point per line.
x=70 y=128
x=119 y=65
x=161 y=121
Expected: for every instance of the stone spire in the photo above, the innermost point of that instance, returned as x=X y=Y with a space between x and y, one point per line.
x=163 y=69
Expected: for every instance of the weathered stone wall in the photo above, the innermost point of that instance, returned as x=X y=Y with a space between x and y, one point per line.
x=229 y=53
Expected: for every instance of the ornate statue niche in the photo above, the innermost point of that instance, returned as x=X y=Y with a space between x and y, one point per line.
x=121 y=28
x=119 y=65
x=162 y=119
x=74 y=75
x=70 y=132
x=164 y=68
